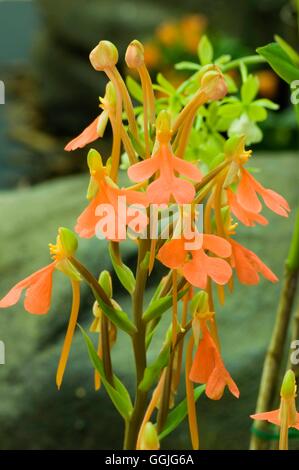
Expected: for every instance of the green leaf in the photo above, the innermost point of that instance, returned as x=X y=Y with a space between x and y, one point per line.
x=152 y=372
x=265 y=103
x=185 y=65
x=293 y=55
x=256 y=113
x=230 y=110
x=161 y=305
x=119 y=395
x=205 y=51
x=249 y=89
x=177 y=415
x=123 y=272
x=279 y=61
x=118 y=317
x=165 y=84
x=223 y=59
x=134 y=88
x=231 y=86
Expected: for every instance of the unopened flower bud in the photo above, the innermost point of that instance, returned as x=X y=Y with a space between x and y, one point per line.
x=214 y=84
x=135 y=55
x=106 y=283
x=104 y=55
x=199 y=303
x=288 y=388
x=149 y=438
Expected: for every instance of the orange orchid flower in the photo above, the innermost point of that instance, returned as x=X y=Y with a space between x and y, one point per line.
x=107 y=193
x=38 y=285
x=248 y=218
x=248 y=265
x=39 y=289
x=175 y=254
x=286 y=416
x=208 y=367
x=164 y=163
x=247 y=196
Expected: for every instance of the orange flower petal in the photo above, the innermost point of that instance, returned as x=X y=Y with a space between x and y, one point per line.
x=143 y=170
x=182 y=191
x=218 y=270
x=87 y=136
x=195 y=270
x=276 y=202
x=87 y=221
x=38 y=285
x=172 y=254
x=186 y=169
x=270 y=416
x=246 y=193
x=250 y=219
x=218 y=380
x=217 y=245
x=38 y=295
x=248 y=265
x=204 y=362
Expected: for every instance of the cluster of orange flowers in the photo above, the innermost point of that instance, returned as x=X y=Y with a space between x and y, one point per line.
x=162 y=176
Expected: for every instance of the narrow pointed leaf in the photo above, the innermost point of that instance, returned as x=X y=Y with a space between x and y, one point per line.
x=177 y=415
x=118 y=317
x=123 y=272
x=118 y=394
x=161 y=305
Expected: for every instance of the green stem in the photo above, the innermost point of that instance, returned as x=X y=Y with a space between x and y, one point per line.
x=272 y=364
x=139 y=346
x=248 y=60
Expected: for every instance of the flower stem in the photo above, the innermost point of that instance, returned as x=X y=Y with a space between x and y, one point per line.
x=272 y=364
x=249 y=60
x=139 y=346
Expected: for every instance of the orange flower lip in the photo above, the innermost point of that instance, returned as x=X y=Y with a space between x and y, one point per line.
x=167 y=184
x=208 y=367
x=196 y=270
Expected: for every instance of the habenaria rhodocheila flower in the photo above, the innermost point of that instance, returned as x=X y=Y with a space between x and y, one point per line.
x=247 y=196
x=195 y=264
x=245 y=203
x=104 y=194
x=248 y=265
x=165 y=165
x=208 y=366
x=286 y=415
x=38 y=285
x=38 y=288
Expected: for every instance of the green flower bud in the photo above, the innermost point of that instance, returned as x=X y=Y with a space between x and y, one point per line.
x=149 y=439
x=105 y=282
x=288 y=388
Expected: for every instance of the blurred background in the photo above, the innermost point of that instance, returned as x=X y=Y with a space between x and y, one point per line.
x=51 y=93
